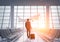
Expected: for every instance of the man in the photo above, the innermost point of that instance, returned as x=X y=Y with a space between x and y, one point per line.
x=28 y=27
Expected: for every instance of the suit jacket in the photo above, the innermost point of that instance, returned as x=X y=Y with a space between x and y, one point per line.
x=28 y=25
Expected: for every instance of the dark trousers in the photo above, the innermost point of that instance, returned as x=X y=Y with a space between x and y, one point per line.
x=28 y=33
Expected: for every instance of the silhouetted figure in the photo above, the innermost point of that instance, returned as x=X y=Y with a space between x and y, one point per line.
x=28 y=27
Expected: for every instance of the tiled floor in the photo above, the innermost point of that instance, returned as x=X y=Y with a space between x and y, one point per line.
x=24 y=38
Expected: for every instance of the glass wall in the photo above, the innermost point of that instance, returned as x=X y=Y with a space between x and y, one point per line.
x=54 y=17
x=35 y=13
x=21 y=13
x=4 y=17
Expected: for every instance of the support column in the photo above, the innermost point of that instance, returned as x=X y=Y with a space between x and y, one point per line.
x=47 y=16
x=12 y=16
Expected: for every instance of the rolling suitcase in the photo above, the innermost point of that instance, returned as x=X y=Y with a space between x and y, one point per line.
x=32 y=36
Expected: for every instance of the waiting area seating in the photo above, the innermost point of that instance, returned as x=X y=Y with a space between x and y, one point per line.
x=51 y=34
x=10 y=35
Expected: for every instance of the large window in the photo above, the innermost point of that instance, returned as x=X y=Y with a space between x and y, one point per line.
x=21 y=13
x=24 y=12
x=54 y=17
x=37 y=14
x=4 y=17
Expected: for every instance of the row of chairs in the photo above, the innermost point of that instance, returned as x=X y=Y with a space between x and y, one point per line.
x=52 y=34
x=10 y=34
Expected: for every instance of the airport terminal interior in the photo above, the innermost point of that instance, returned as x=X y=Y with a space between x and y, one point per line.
x=44 y=16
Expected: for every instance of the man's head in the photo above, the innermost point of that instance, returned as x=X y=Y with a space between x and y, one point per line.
x=27 y=19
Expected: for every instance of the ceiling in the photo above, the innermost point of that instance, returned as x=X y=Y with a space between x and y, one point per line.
x=29 y=2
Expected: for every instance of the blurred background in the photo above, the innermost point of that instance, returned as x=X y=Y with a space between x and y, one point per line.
x=44 y=16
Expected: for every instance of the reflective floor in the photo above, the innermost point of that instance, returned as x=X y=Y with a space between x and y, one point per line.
x=38 y=38
x=25 y=39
